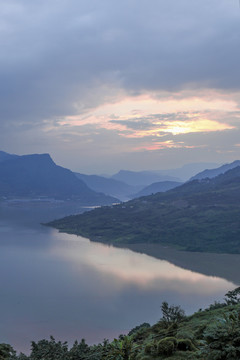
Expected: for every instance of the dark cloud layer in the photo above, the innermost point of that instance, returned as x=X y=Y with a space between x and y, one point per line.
x=60 y=58
x=55 y=53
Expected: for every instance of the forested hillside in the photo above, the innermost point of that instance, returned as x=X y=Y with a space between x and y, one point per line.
x=201 y=215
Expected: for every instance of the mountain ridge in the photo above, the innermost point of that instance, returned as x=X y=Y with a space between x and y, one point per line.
x=156 y=187
x=109 y=186
x=210 y=173
x=37 y=175
x=142 y=178
x=5 y=156
x=201 y=215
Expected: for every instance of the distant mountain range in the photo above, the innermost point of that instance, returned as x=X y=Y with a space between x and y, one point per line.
x=215 y=172
x=186 y=171
x=126 y=185
x=145 y=178
x=37 y=175
x=109 y=186
x=142 y=178
x=200 y=215
x=124 y=191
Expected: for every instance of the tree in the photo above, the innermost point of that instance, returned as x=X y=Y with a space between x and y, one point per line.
x=233 y=296
x=49 y=350
x=79 y=350
x=6 y=352
x=121 y=349
x=171 y=314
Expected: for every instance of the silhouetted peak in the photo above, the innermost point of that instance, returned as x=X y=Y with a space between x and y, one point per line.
x=5 y=156
x=38 y=158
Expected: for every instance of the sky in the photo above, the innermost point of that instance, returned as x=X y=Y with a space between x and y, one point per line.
x=131 y=84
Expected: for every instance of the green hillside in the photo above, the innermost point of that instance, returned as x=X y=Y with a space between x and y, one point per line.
x=201 y=215
x=210 y=334
x=156 y=187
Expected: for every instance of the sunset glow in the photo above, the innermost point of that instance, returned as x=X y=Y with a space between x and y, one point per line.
x=150 y=118
x=106 y=90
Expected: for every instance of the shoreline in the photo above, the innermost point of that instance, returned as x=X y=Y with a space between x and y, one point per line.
x=221 y=265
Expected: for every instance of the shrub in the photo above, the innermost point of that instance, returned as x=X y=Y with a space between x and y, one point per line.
x=166 y=347
x=172 y=339
x=185 y=345
x=185 y=334
x=222 y=338
x=216 y=305
x=172 y=329
x=143 y=357
x=150 y=348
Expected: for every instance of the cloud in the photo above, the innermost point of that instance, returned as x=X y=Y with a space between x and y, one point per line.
x=177 y=123
x=116 y=75
x=135 y=121
x=61 y=58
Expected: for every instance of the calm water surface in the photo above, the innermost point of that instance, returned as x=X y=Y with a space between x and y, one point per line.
x=66 y=286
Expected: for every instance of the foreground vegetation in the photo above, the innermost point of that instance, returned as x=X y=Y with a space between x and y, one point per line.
x=210 y=334
x=197 y=216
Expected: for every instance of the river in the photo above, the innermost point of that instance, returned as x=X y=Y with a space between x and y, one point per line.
x=69 y=287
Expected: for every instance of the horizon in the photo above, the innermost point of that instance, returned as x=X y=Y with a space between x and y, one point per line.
x=211 y=166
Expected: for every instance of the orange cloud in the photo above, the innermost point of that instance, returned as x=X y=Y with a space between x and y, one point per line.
x=169 y=144
x=197 y=125
x=154 y=116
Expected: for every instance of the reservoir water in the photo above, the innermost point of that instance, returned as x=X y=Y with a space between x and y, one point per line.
x=69 y=287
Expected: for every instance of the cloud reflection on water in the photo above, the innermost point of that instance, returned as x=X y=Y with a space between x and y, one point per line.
x=69 y=287
x=141 y=270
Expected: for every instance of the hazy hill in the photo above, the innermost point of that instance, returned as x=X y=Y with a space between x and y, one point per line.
x=201 y=215
x=186 y=171
x=210 y=173
x=145 y=178
x=108 y=186
x=142 y=178
x=37 y=175
x=154 y=188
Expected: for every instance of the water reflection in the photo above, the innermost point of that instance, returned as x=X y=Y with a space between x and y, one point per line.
x=67 y=286
x=139 y=269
